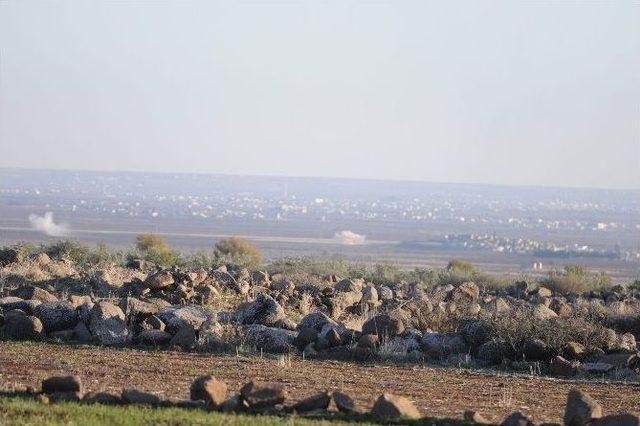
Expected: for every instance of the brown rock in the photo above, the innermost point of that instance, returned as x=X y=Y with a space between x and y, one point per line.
x=262 y=395
x=159 y=280
x=580 y=408
x=392 y=407
x=319 y=401
x=368 y=341
x=561 y=367
x=209 y=389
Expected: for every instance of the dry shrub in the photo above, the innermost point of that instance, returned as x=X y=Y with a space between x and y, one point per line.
x=521 y=325
x=576 y=279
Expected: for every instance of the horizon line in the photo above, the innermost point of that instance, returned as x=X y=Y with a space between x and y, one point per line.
x=397 y=180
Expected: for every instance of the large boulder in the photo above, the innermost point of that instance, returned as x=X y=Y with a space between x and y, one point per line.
x=264 y=310
x=394 y=407
x=269 y=339
x=580 y=408
x=56 y=316
x=175 y=317
x=20 y=326
x=107 y=324
x=384 y=325
x=316 y=321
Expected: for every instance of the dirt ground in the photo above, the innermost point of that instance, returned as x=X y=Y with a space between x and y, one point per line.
x=436 y=391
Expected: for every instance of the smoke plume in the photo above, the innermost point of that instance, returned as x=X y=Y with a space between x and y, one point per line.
x=46 y=225
x=349 y=238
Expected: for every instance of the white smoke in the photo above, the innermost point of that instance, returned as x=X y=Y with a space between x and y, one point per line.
x=349 y=238
x=46 y=225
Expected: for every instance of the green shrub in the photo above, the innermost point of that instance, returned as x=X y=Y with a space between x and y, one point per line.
x=239 y=250
x=156 y=249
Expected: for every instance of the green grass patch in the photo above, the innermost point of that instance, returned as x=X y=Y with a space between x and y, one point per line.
x=25 y=411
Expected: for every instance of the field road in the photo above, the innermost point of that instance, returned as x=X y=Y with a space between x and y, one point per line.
x=436 y=391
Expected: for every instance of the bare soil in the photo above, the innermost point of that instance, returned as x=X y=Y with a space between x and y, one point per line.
x=438 y=392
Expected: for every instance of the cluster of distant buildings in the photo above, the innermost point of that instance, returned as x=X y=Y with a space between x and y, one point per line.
x=537 y=248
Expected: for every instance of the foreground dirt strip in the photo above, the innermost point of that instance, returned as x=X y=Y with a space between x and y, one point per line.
x=437 y=392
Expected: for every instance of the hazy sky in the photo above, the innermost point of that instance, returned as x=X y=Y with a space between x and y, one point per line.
x=529 y=92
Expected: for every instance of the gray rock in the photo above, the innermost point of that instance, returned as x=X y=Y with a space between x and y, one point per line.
x=107 y=324
x=56 y=316
x=264 y=310
x=273 y=340
x=177 y=316
x=185 y=337
x=316 y=321
x=20 y=326
x=262 y=395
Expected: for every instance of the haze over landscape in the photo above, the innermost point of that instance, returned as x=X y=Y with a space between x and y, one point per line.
x=534 y=93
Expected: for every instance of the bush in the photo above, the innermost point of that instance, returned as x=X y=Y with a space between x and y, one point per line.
x=156 y=249
x=66 y=249
x=576 y=279
x=239 y=251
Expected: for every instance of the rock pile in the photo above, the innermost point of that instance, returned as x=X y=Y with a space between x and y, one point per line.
x=449 y=324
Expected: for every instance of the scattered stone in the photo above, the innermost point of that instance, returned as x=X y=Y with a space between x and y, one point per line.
x=269 y=339
x=209 y=389
x=517 y=419
x=580 y=408
x=344 y=403
x=393 y=407
x=61 y=384
x=319 y=401
x=262 y=395
x=104 y=398
x=135 y=396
